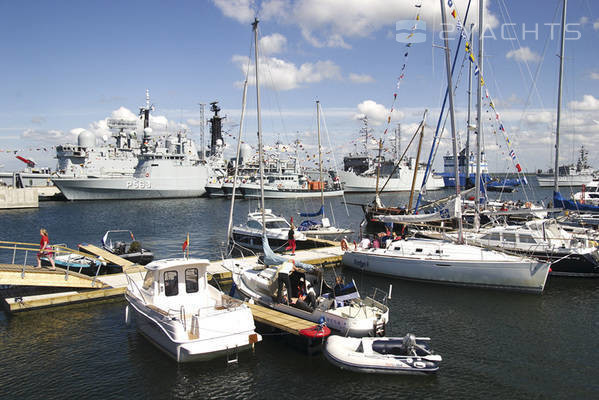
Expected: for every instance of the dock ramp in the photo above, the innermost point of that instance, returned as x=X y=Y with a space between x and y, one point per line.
x=106 y=255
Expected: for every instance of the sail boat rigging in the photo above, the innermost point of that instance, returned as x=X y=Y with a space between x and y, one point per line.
x=323 y=227
x=441 y=261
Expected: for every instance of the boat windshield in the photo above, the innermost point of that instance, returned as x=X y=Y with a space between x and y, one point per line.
x=148 y=281
x=276 y=225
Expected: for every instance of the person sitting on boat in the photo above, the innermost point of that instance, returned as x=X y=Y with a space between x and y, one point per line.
x=45 y=250
x=310 y=294
x=300 y=300
x=338 y=285
x=365 y=243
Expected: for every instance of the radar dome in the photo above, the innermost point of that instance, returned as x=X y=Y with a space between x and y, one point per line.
x=86 y=139
x=245 y=153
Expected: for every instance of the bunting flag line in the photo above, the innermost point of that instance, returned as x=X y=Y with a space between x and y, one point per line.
x=468 y=48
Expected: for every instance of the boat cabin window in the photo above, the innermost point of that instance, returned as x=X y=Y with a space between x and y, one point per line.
x=276 y=225
x=254 y=224
x=524 y=238
x=148 y=281
x=171 y=283
x=418 y=250
x=509 y=237
x=191 y=280
x=491 y=236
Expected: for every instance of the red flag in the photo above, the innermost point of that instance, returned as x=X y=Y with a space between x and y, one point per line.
x=186 y=242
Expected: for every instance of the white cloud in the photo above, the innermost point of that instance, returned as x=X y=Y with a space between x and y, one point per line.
x=594 y=76
x=360 y=78
x=330 y=23
x=583 y=20
x=596 y=25
x=272 y=44
x=51 y=136
x=241 y=10
x=283 y=75
x=523 y=54
x=194 y=122
x=588 y=103
x=376 y=113
x=540 y=117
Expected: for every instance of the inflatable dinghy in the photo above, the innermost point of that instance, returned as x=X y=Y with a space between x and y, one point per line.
x=387 y=355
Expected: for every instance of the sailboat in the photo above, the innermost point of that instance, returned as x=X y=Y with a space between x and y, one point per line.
x=322 y=227
x=446 y=262
x=558 y=200
x=280 y=281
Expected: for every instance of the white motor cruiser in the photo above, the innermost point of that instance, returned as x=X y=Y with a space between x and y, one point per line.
x=178 y=311
x=277 y=231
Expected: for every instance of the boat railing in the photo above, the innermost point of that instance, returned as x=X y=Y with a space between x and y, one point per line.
x=133 y=285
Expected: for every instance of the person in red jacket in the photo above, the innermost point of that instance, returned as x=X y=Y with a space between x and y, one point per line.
x=45 y=250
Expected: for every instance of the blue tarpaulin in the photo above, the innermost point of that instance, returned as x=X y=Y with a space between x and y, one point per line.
x=560 y=202
x=316 y=214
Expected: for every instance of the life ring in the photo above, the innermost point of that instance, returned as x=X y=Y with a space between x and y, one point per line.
x=344 y=245
x=147 y=174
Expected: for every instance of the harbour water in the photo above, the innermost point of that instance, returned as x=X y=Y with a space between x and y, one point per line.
x=494 y=344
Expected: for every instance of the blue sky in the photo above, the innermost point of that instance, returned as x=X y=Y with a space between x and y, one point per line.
x=68 y=65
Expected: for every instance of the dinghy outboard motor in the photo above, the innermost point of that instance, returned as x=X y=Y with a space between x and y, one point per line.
x=409 y=344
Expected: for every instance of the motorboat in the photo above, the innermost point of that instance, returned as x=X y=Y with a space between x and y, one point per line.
x=179 y=312
x=545 y=240
x=388 y=355
x=277 y=232
x=116 y=242
x=442 y=261
x=279 y=283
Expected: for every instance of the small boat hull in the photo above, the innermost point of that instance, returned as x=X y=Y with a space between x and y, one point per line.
x=358 y=355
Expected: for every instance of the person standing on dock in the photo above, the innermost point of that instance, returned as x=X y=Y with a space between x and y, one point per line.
x=291 y=238
x=45 y=250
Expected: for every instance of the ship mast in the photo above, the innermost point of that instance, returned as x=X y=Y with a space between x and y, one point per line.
x=479 y=113
x=320 y=156
x=559 y=99
x=452 y=115
x=260 y=150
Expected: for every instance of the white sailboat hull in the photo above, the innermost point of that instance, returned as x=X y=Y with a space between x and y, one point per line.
x=476 y=267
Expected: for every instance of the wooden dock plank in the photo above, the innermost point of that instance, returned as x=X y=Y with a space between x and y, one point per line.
x=277 y=319
x=11 y=274
x=25 y=303
x=108 y=256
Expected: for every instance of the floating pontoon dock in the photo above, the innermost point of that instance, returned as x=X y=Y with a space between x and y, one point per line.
x=87 y=288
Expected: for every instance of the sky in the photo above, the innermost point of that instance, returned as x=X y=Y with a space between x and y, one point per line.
x=69 y=65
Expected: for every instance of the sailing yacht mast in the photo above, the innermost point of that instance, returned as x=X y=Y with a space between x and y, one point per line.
x=260 y=150
x=479 y=113
x=230 y=226
x=452 y=115
x=320 y=157
x=559 y=100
